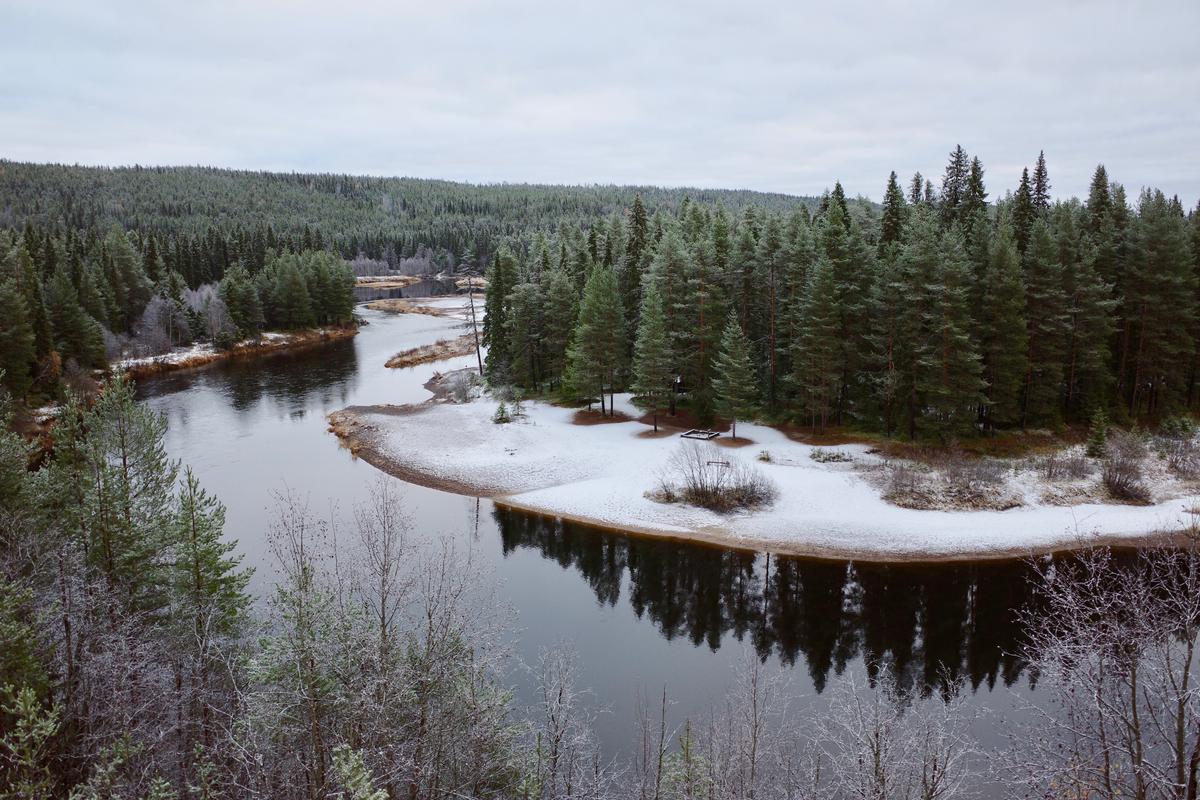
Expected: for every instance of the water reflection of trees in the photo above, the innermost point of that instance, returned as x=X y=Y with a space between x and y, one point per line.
x=292 y=382
x=929 y=624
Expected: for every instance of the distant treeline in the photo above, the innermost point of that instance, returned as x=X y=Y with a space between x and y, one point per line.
x=190 y=208
x=935 y=313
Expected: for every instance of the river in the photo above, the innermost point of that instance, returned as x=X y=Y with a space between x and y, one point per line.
x=642 y=614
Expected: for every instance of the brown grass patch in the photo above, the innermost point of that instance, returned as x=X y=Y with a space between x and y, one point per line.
x=442 y=349
x=586 y=416
x=399 y=305
x=726 y=441
x=661 y=433
x=387 y=281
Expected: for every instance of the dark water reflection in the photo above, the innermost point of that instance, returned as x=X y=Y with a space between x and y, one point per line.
x=930 y=624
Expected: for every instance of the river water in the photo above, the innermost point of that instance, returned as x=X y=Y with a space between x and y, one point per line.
x=642 y=614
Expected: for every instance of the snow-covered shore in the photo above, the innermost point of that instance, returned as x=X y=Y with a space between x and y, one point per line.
x=202 y=354
x=601 y=473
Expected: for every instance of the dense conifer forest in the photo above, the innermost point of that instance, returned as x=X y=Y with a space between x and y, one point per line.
x=933 y=314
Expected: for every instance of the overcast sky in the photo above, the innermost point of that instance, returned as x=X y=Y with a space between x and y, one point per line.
x=783 y=96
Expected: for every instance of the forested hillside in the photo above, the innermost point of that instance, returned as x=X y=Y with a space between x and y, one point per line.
x=385 y=218
x=941 y=314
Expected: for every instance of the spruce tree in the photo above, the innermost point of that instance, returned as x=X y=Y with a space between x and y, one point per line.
x=735 y=385
x=1159 y=308
x=892 y=223
x=76 y=335
x=562 y=308
x=242 y=299
x=954 y=186
x=652 y=357
x=1041 y=185
x=523 y=316
x=596 y=355
x=1048 y=327
x=292 y=304
x=1023 y=212
x=950 y=365
x=817 y=352
x=1005 y=336
x=1090 y=307
x=501 y=277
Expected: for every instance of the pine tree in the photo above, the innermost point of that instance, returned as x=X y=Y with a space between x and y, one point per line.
x=523 y=316
x=1090 y=307
x=242 y=299
x=1041 y=185
x=131 y=289
x=76 y=335
x=652 y=357
x=735 y=385
x=17 y=354
x=596 y=354
x=1099 y=204
x=1048 y=328
x=817 y=353
x=1159 y=308
x=501 y=277
x=1005 y=336
x=950 y=367
x=561 y=310
x=291 y=302
x=974 y=200
x=208 y=582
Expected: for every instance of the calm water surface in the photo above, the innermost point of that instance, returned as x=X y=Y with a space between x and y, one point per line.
x=642 y=614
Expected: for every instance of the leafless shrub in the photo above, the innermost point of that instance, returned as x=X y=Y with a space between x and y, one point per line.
x=364 y=266
x=905 y=479
x=823 y=456
x=461 y=385
x=1059 y=467
x=702 y=475
x=1122 y=472
x=972 y=474
x=162 y=326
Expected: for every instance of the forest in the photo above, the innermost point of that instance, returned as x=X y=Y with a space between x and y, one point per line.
x=74 y=301
x=932 y=315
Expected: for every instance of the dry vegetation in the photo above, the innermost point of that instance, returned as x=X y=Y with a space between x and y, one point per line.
x=438 y=351
x=701 y=475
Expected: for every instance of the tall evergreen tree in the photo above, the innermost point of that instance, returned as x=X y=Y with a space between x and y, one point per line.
x=1041 y=185
x=950 y=365
x=597 y=352
x=501 y=278
x=954 y=186
x=817 y=351
x=735 y=386
x=1047 y=318
x=1023 y=212
x=1005 y=335
x=652 y=358
x=892 y=223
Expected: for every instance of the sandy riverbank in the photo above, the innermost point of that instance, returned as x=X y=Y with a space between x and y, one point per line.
x=600 y=474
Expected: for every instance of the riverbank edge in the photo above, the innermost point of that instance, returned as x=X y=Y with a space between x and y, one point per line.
x=244 y=350
x=357 y=437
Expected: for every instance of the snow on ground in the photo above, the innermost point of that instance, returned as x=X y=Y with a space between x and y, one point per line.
x=177 y=356
x=602 y=472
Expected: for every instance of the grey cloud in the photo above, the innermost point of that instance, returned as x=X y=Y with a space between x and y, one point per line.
x=781 y=97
